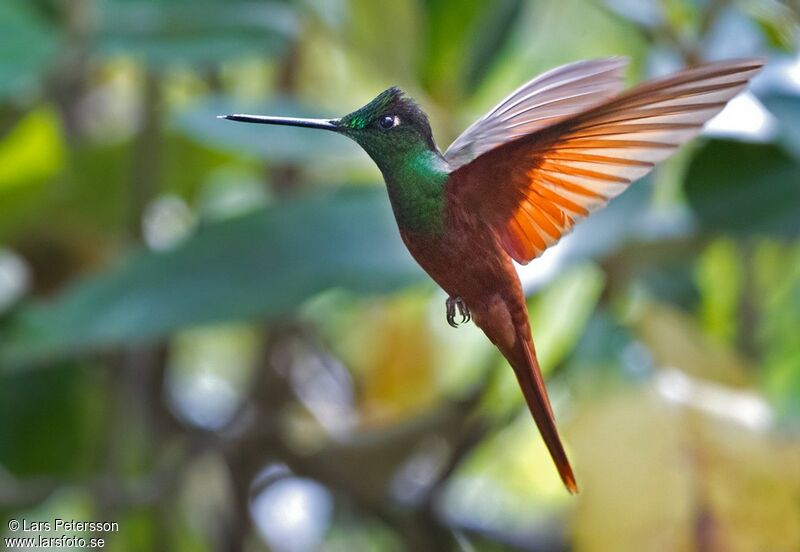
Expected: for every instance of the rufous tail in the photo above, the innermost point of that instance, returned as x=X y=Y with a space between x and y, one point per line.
x=526 y=367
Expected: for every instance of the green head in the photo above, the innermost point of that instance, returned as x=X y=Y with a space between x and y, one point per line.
x=392 y=129
x=397 y=135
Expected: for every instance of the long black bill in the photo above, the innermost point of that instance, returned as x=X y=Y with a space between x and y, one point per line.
x=325 y=124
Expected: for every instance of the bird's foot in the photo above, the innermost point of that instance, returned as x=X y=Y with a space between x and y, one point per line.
x=453 y=303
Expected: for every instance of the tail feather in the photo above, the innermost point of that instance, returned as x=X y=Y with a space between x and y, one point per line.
x=529 y=375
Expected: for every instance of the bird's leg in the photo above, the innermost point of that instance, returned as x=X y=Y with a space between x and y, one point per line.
x=452 y=303
x=463 y=310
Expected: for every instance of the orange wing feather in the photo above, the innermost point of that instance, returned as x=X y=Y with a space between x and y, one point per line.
x=542 y=183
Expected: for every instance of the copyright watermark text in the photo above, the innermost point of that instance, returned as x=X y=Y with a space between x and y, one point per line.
x=58 y=533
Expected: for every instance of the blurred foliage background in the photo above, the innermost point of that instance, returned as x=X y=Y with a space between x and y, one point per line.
x=211 y=333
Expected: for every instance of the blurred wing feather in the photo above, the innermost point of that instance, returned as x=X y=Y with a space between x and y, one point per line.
x=539 y=185
x=539 y=103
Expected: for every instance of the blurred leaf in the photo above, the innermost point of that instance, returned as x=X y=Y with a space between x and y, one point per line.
x=570 y=30
x=31 y=154
x=379 y=31
x=91 y=197
x=168 y=32
x=408 y=329
x=187 y=165
x=490 y=40
x=661 y=476
x=86 y=200
x=27 y=46
x=720 y=278
x=666 y=273
x=560 y=314
x=357 y=533
x=675 y=341
x=759 y=464
x=777 y=294
x=744 y=188
x=647 y=13
x=264 y=264
x=397 y=362
x=606 y=356
x=508 y=484
x=96 y=191
x=778 y=21
x=628 y=451
x=782 y=376
x=267 y=142
x=786 y=109
x=53 y=440
x=463 y=43
x=32 y=151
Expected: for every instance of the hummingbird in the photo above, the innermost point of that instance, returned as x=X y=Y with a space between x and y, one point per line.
x=512 y=184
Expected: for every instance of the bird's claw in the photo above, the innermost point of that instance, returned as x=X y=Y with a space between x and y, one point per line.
x=453 y=303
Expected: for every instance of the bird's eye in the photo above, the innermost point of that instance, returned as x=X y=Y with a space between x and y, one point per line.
x=389 y=121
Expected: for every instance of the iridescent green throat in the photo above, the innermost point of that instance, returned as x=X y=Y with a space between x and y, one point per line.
x=416 y=184
x=396 y=134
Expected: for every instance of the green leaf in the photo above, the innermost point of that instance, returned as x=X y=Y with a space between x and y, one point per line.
x=786 y=109
x=560 y=314
x=195 y=31
x=384 y=34
x=463 y=43
x=776 y=293
x=777 y=20
x=32 y=151
x=26 y=47
x=60 y=438
x=720 y=278
x=489 y=41
x=571 y=30
x=260 y=265
x=31 y=154
x=744 y=188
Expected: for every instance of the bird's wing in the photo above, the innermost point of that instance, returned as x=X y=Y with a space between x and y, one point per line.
x=533 y=189
x=541 y=102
